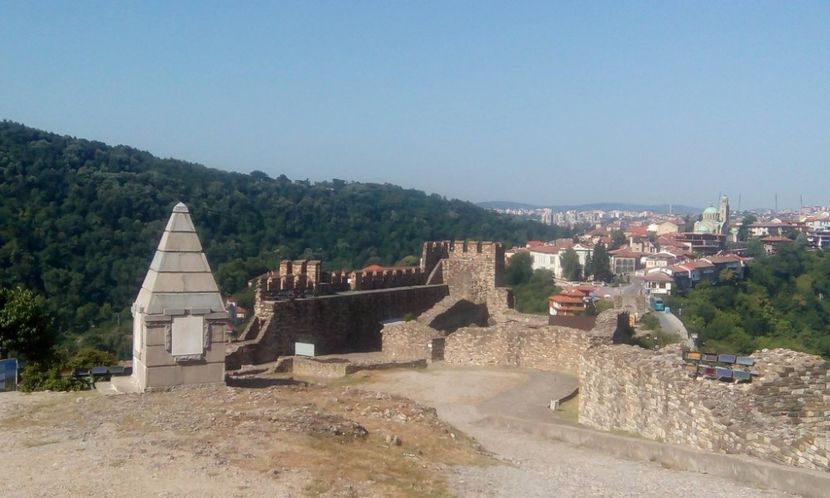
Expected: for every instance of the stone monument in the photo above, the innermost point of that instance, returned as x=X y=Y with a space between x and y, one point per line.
x=178 y=317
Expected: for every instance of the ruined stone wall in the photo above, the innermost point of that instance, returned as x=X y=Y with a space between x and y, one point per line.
x=525 y=341
x=781 y=416
x=334 y=324
x=410 y=340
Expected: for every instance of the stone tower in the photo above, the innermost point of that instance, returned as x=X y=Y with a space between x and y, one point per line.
x=178 y=316
x=723 y=214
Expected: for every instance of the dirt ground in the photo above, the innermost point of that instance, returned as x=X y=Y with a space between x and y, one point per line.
x=357 y=437
x=267 y=436
x=530 y=466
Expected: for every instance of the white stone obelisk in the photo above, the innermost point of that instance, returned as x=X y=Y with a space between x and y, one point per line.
x=178 y=317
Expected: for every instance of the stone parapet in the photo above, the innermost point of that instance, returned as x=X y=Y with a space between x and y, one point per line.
x=781 y=416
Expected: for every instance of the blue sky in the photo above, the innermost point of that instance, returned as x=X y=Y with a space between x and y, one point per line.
x=541 y=102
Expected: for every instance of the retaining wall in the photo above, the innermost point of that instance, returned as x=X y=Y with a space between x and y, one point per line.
x=781 y=416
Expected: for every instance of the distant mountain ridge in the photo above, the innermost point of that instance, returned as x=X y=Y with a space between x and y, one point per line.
x=600 y=206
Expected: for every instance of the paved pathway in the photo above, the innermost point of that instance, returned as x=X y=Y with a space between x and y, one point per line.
x=533 y=466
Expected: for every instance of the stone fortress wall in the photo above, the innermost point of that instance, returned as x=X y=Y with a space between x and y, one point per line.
x=782 y=416
x=464 y=317
x=301 y=303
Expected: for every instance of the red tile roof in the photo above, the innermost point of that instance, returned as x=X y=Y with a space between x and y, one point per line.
x=546 y=249
x=625 y=253
x=640 y=231
x=559 y=298
x=373 y=268
x=724 y=258
x=775 y=238
x=657 y=276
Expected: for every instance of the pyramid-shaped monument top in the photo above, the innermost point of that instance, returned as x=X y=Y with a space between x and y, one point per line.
x=179 y=279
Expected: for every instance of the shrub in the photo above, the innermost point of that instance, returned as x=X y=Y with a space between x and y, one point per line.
x=91 y=357
x=39 y=377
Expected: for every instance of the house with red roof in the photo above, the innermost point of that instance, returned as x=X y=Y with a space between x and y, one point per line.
x=773 y=242
x=659 y=282
x=566 y=304
x=624 y=261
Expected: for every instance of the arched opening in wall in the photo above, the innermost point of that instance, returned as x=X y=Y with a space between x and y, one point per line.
x=461 y=314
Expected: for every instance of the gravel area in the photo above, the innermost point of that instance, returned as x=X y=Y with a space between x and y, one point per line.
x=530 y=466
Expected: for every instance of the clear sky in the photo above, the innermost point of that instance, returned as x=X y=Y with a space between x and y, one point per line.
x=547 y=103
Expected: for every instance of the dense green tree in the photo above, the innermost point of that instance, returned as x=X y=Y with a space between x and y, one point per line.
x=617 y=240
x=589 y=267
x=519 y=269
x=602 y=264
x=571 y=269
x=25 y=328
x=81 y=221
x=532 y=295
x=782 y=303
x=743 y=230
x=754 y=248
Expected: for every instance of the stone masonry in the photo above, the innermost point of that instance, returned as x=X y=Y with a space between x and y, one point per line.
x=299 y=302
x=526 y=341
x=781 y=416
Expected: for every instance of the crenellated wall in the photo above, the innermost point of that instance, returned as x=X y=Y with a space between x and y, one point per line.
x=387 y=278
x=334 y=324
x=782 y=416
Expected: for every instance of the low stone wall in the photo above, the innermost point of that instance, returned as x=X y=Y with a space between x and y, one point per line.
x=332 y=368
x=309 y=367
x=781 y=416
x=410 y=340
x=526 y=341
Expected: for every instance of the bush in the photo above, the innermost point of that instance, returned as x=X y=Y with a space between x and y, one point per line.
x=650 y=322
x=91 y=357
x=39 y=377
x=655 y=340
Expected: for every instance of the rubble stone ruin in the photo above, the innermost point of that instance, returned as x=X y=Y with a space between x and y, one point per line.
x=178 y=316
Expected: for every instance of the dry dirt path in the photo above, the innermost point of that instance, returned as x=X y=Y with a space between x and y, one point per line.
x=535 y=467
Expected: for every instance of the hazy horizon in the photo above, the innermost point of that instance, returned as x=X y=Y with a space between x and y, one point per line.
x=539 y=103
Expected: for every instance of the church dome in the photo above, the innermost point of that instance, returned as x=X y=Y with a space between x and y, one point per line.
x=710 y=210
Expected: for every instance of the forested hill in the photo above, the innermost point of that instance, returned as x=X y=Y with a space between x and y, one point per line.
x=80 y=221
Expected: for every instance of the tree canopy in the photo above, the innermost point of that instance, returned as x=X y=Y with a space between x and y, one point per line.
x=25 y=328
x=782 y=303
x=571 y=269
x=601 y=264
x=81 y=221
x=531 y=289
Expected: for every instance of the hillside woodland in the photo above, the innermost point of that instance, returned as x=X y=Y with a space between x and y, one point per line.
x=81 y=221
x=784 y=302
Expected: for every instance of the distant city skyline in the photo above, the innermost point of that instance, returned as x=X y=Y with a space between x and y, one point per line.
x=538 y=102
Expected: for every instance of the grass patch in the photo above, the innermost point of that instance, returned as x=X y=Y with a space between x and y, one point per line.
x=568 y=410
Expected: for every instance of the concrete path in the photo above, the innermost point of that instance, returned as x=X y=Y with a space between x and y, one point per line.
x=531 y=399
x=478 y=400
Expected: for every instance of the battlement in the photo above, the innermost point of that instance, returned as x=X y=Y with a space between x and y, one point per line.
x=298 y=276
x=471 y=247
x=387 y=278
